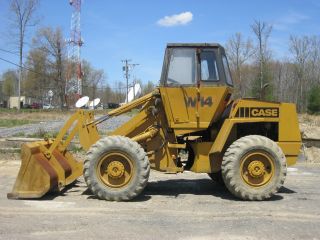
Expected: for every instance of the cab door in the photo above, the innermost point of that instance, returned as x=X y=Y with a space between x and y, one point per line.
x=191 y=96
x=180 y=78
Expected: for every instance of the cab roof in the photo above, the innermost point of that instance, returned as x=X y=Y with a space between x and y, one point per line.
x=196 y=45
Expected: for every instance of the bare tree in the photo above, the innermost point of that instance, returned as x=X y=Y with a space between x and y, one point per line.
x=262 y=31
x=106 y=94
x=9 y=79
x=300 y=49
x=92 y=79
x=36 y=82
x=52 y=42
x=239 y=52
x=148 y=88
x=314 y=60
x=22 y=18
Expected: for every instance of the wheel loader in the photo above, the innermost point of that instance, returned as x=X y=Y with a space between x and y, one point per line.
x=189 y=123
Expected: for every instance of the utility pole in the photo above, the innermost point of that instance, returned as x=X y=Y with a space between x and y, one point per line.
x=126 y=68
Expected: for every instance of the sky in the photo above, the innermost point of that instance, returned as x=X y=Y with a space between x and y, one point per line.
x=139 y=30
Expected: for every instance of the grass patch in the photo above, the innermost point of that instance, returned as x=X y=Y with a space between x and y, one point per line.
x=6 y=151
x=19 y=134
x=76 y=149
x=133 y=112
x=41 y=133
x=13 y=122
x=14 y=110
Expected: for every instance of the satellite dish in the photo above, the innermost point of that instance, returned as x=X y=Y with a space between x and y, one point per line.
x=94 y=103
x=50 y=93
x=82 y=102
x=134 y=92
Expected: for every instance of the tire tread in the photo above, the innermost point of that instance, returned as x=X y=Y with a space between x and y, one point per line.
x=234 y=154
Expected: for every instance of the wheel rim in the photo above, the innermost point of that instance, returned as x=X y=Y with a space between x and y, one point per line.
x=115 y=170
x=257 y=168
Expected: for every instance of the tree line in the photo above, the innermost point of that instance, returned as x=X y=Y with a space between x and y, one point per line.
x=255 y=70
x=256 y=73
x=46 y=67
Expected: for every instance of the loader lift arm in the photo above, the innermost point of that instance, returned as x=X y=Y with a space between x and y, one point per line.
x=124 y=109
x=48 y=165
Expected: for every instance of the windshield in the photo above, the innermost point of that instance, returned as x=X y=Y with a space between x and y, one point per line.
x=191 y=66
x=182 y=67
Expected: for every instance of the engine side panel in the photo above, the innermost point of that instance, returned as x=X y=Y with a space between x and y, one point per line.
x=248 y=111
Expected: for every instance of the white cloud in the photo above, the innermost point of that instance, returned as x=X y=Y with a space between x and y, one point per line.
x=175 y=20
x=286 y=21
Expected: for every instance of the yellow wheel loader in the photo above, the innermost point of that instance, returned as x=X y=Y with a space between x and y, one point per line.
x=189 y=122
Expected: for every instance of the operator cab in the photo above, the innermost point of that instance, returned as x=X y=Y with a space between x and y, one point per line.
x=195 y=64
x=195 y=86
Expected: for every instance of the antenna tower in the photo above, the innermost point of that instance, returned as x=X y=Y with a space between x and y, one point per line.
x=74 y=78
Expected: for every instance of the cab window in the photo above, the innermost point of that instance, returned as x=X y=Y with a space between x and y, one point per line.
x=182 y=70
x=227 y=70
x=209 y=68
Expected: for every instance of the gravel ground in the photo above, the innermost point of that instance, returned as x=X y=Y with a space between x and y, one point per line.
x=56 y=125
x=183 y=206
x=113 y=123
x=180 y=206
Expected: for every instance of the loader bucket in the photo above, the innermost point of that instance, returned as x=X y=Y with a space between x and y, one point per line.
x=41 y=172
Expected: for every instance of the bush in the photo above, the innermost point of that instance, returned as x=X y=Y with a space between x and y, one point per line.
x=314 y=100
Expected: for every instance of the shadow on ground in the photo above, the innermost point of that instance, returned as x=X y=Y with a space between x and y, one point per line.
x=170 y=188
x=175 y=187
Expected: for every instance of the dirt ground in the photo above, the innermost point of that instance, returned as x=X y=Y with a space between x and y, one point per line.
x=310 y=132
x=182 y=206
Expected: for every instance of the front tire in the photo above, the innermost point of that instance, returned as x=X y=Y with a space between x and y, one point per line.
x=217 y=177
x=254 y=168
x=116 y=169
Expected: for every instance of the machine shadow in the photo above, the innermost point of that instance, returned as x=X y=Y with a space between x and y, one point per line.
x=174 y=187
x=73 y=187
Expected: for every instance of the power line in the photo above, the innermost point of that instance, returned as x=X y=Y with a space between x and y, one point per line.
x=26 y=68
x=16 y=54
x=7 y=51
x=43 y=75
x=5 y=60
x=105 y=87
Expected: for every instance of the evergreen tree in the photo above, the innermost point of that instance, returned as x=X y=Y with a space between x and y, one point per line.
x=314 y=100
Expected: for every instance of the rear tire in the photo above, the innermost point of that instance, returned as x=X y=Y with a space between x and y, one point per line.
x=116 y=169
x=254 y=168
